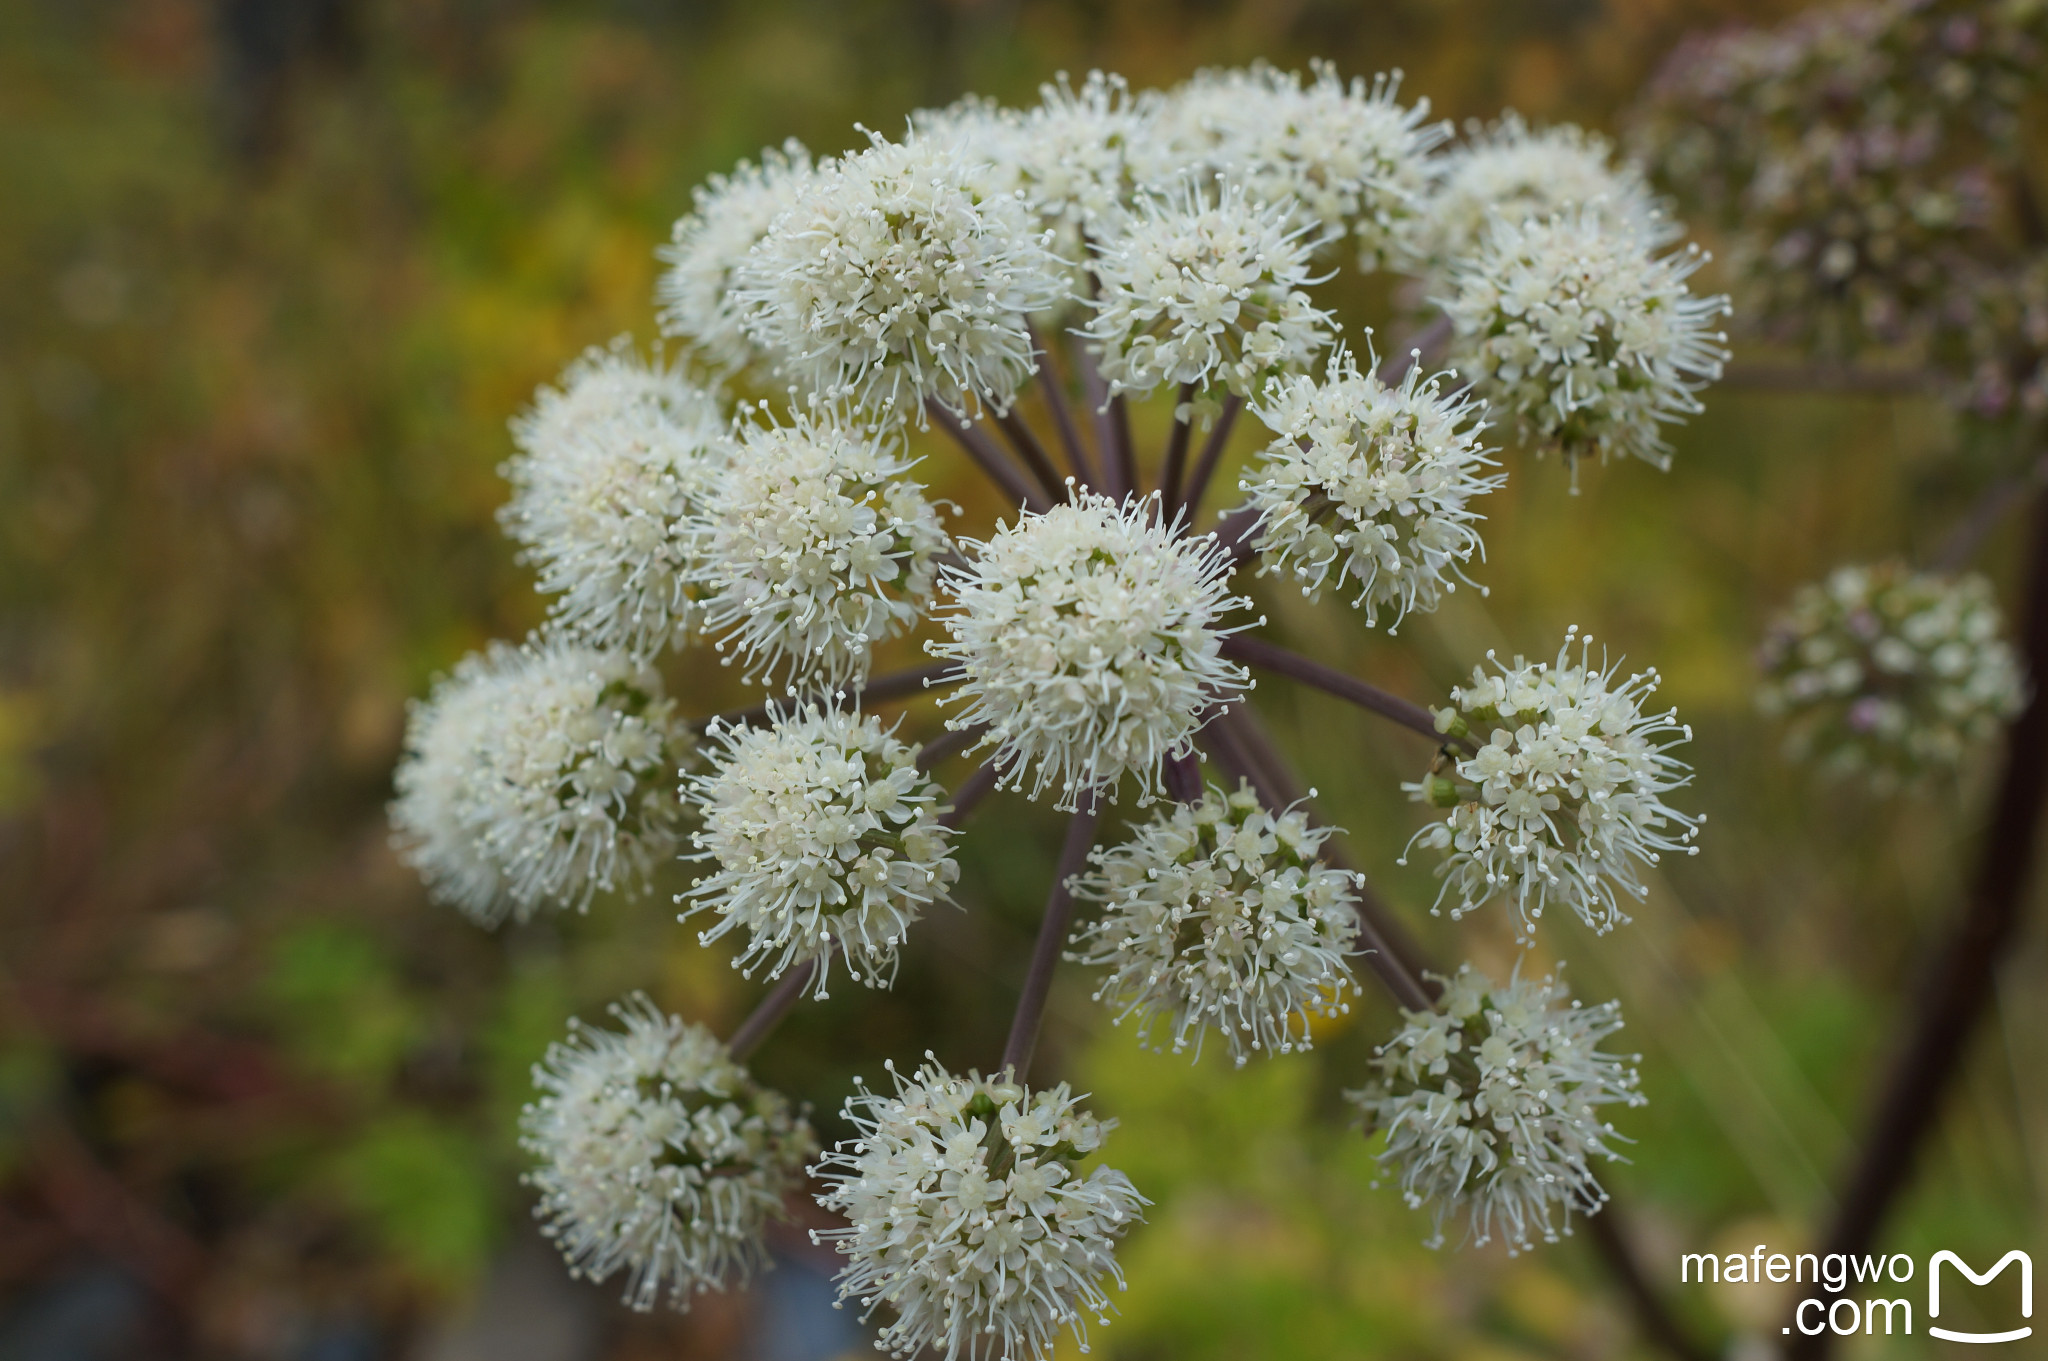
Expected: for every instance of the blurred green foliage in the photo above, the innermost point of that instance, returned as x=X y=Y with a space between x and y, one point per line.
x=272 y=279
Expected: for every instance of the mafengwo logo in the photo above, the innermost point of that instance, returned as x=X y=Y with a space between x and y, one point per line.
x=1934 y=1266
x=1843 y=1314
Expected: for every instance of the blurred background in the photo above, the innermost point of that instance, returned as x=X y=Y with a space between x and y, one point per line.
x=273 y=276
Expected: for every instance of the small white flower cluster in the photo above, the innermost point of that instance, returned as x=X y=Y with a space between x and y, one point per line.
x=1089 y=643
x=1590 y=342
x=1205 y=287
x=824 y=833
x=1346 y=158
x=539 y=775
x=895 y=278
x=733 y=211
x=1218 y=913
x=612 y=469
x=1563 y=797
x=815 y=546
x=1490 y=1106
x=1072 y=159
x=1512 y=173
x=1891 y=674
x=658 y=1156
x=1370 y=483
x=970 y=1216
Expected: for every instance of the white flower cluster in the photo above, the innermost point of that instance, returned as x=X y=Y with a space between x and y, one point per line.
x=970 y=1217
x=1589 y=341
x=612 y=468
x=895 y=278
x=733 y=212
x=1513 y=173
x=1890 y=673
x=1219 y=914
x=658 y=1156
x=1204 y=286
x=539 y=775
x=815 y=546
x=1089 y=643
x=1346 y=158
x=823 y=833
x=1071 y=155
x=1372 y=484
x=1563 y=797
x=1490 y=1106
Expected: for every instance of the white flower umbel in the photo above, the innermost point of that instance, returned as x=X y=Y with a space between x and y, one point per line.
x=1348 y=158
x=1204 y=285
x=1219 y=914
x=1088 y=640
x=815 y=547
x=731 y=213
x=1586 y=339
x=1562 y=798
x=1370 y=484
x=969 y=1216
x=821 y=832
x=897 y=277
x=1490 y=1107
x=1513 y=173
x=613 y=465
x=1891 y=674
x=539 y=775
x=1072 y=155
x=658 y=1156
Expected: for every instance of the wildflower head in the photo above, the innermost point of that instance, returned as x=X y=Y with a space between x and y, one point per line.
x=1370 y=485
x=1347 y=158
x=731 y=213
x=1219 y=914
x=1204 y=285
x=970 y=1217
x=539 y=776
x=820 y=832
x=657 y=1155
x=1514 y=173
x=1891 y=674
x=1072 y=153
x=1490 y=1107
x=1559 y=796
x=1089 y=640
x=612 y=468
x=1588 y=342
x=898 y=277
x=815 y=545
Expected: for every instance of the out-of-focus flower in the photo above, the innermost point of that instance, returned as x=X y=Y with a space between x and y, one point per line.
x=732 y=212
x=612 y=468
x=539 y=775
x=1891 y=674
x=1347 y=158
